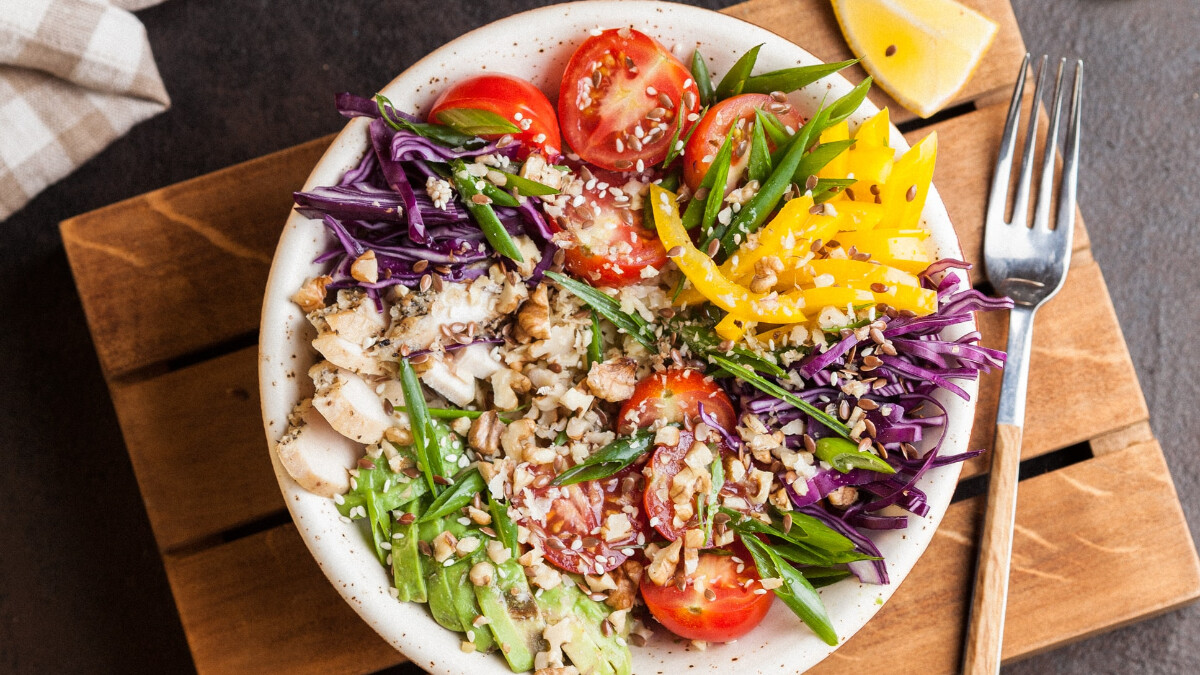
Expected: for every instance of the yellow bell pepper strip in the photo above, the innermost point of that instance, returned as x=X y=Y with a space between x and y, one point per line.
x=869 y=165
x=920 y=301
x=825 y=296
x=849 y=273
x=731 y=328
x=788 y=236
x=836 y=168
x=706 y=276
x=903 y=249
x=904 y=192
x=875 y=132
x=855 y=216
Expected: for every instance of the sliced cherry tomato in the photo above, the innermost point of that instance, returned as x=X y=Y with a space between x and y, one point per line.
x=610 y=247
x=621 y=97
x=712 y=129
x=673 y=396
x=570 y=536
x=512 y=98
x=734 y=611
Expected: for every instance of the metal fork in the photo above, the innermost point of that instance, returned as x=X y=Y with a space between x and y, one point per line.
x=1029 y=265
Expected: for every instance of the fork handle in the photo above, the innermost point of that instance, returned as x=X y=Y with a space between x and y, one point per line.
x=985 y=632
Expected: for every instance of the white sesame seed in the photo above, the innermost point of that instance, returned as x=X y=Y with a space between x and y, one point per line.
x=651 y=91
x=641 y=166
x=518 y=117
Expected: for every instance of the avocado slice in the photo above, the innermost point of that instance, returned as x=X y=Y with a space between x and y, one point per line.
x=515 y=619
x=614 y=648
x=562 y=603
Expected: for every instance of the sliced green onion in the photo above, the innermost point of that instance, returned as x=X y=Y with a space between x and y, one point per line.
x=772 y=126
x=816 y=159
x=506 y=530
x=595 y=353
x=526 y=187
x=828 y=188
x=759 y=165
x=424 y=441
x=435 y=132
x=476 y=122
x=844 y=455
x=634 y=325
x=735 y=80
x=788 y=80
x=796 y=592
x=716 y=194
x=456 y=496
x=608 y=460
x=767 y=387
x=702 y=78
x=492 y=228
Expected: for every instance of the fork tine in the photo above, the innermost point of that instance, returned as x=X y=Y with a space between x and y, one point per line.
x=1070 y=176
x=998 y=195
x=1024 y=178
x=1041 y=216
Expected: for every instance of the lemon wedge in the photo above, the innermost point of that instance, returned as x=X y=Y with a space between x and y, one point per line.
x=922 y=52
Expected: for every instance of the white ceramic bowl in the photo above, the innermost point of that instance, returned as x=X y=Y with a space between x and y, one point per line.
x=536 y=45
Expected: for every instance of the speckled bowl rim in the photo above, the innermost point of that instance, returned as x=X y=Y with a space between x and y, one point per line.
x=516 y=45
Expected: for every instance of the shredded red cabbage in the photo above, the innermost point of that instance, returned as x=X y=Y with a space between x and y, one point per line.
x=382 y=205
x=905 y=408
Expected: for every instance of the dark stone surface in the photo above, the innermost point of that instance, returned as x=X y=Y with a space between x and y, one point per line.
x=81 y=586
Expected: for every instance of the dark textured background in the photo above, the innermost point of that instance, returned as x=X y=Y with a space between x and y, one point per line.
x=81 y=586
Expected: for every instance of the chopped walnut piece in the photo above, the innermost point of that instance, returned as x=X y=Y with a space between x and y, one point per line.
x=311 y=296
x=533 y=321
x=516 y=437
x=485 y=433
x=365 y=268
x=482 y=573
x=844 y=496
x=627 y=578
x=613 y=380
x=662 y=566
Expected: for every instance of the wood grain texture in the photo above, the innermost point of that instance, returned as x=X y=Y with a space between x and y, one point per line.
x=989 y=595
x=196 y=442
x=1082 y=383
x=1074 y=574
x=182 y=268
x=811 y=24
x=261 y=605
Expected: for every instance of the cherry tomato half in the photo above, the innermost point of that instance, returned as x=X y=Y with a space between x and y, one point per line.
x=570 y=535
x=734 y=611
x=621 y=97
x=610 y=246
x=513 y=99
x=673 y=396
x=714 y=126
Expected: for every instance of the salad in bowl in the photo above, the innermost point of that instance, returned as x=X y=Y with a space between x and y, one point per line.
x=636 y=350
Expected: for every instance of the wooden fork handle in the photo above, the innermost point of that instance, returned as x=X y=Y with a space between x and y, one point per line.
x=985 y=632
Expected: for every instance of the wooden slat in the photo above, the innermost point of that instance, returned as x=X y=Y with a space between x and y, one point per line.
x=811 y=24
x=1082 y=383
x=248 y=604
x=1086 y=536
x=261 y=605
x=196 y=442
x=182 y=268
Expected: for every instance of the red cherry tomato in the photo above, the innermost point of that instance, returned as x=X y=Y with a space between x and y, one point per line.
x=621 y=97
x=714 y=126
x=570 y=535
x=611 y=246
x=673 y=396
x=515 y=100
x=734 y=611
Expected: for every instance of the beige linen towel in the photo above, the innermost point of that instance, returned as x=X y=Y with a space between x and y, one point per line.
x=74 y=76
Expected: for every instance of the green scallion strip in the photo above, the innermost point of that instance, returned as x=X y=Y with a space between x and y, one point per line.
x=595 y=353
x=492 y=228
x=772 y=126
x=424 y=440
x=608 y=460
x=788 y=80
x=506 y=530
x=456 y=496
x=634 y=325
x=796 y=592
x=702 y=78
x=697 y=210
x=844 y=455
x=716 y=195
x=710 y=503
x=735 y=80
x=816 y=159
x=767 y=387
x=476 y=122
x=437 y=133
x=828 y=188
x=498 y=196
x=526 y=187
x=759 y=166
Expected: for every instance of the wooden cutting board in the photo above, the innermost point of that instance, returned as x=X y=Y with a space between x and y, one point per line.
x=172 y=283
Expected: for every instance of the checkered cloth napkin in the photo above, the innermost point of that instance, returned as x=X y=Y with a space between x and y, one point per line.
x=74 y=76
